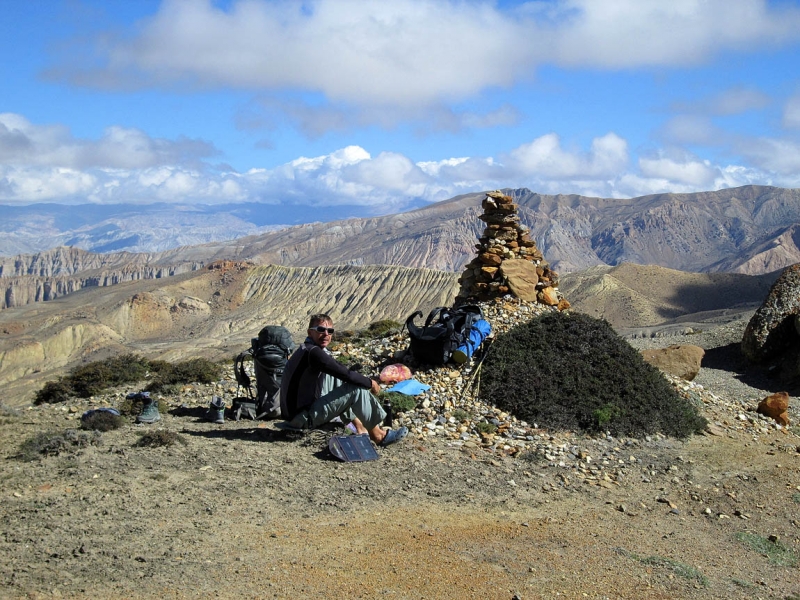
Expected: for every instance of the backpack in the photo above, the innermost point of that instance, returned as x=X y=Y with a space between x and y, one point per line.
x=445 y=330
x=269 y=353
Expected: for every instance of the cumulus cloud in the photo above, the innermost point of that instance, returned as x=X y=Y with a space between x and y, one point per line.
x=415 y=53
x=545 y=158
x=695 y=173
x=23 y=143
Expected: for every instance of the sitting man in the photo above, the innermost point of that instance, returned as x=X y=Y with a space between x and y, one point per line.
x=316 y=389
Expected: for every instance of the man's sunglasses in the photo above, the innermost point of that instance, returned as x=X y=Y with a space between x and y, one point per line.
x=321 y=329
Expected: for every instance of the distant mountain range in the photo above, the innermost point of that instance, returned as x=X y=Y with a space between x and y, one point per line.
x=749 y=230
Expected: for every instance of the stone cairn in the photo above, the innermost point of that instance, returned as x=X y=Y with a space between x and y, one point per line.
x=508 y=261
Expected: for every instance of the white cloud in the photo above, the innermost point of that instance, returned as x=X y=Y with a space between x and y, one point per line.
x=691 y=129
x=545 y=158
x=777 y=155
x=417 y=53
x=698 y=174
x=791 y=113
x=24 y=144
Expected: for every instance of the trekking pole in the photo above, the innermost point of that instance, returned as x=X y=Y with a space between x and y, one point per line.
x=475 y=373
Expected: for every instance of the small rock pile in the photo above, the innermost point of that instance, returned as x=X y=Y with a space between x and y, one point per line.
x=508 y=260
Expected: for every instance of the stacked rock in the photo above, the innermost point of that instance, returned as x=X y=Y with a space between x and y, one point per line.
x=508 y=261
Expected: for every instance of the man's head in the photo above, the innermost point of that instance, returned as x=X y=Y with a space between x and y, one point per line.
x=320 y=329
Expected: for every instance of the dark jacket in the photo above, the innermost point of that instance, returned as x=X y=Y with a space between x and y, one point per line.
x=302 y=377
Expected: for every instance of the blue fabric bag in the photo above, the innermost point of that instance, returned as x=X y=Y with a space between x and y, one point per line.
x=410 y=387
x=479 y=331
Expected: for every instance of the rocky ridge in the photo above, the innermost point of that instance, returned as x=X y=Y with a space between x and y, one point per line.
x=749 y=230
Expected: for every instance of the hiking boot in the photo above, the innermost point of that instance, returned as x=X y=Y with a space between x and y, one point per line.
x=300 y=422
x=216 y=410
x=149 y=412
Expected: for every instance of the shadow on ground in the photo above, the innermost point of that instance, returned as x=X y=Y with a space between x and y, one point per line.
x=730 y=358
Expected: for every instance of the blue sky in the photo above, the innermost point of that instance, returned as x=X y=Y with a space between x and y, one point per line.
x=380 y=106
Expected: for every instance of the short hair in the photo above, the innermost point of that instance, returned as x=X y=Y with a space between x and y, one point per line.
x=315 y=320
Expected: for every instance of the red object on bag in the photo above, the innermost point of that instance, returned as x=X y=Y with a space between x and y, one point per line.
x=394 y=373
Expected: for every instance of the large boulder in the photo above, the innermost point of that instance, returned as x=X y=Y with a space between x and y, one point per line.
x=772 y=331
x=680 y=360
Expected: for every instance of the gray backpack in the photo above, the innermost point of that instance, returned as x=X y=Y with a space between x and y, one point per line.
x=269 y=353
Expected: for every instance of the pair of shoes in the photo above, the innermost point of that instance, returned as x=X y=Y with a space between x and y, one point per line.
x=394 y=435
x=216 y=410
x=149 y=412
x=300 y=422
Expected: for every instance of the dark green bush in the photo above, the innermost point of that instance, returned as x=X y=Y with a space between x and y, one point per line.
x=573 y=372
x=399 y=402
x=96 y=377
x=92 y=378
x=54 y=391
x=195 y=370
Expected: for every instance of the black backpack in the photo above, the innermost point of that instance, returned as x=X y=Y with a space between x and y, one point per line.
x=269 y=353
x=444 y=331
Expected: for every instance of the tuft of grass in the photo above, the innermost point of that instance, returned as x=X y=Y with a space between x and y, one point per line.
x=570 y=371
x=485 y=427
x=776 y=553
x=380 y=329
x=159 y=439
x=53 y=444
x=102 y=421
x=460 y=415
x=678 y=568
x=399 y=402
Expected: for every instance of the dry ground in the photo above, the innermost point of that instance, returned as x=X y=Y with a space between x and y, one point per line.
x=239 y=510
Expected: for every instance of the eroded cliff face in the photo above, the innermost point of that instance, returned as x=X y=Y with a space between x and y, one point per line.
x=49 y=275
x=213 y=313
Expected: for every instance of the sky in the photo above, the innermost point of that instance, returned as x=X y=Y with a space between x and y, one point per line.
x=380 y=106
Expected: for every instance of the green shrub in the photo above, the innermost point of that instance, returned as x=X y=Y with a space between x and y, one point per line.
x=92 y=378
x=195 y=370
x=573 y=372
x=485 y=427
x=380 y=329
x=54 y=391
x=399 y=402
x=460 y=415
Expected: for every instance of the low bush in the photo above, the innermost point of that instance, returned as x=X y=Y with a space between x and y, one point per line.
x=52 y=444
x=54 y=392
x=573 y=372
x=157 y=439
x=196 y=370
x=96 y=377
x=92 y=378
x=399 y=402
x=102 y=421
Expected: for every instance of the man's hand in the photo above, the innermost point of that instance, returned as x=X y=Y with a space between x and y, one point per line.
x=376 y=388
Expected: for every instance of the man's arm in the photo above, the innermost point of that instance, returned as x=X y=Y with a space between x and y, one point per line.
x=323 y=361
